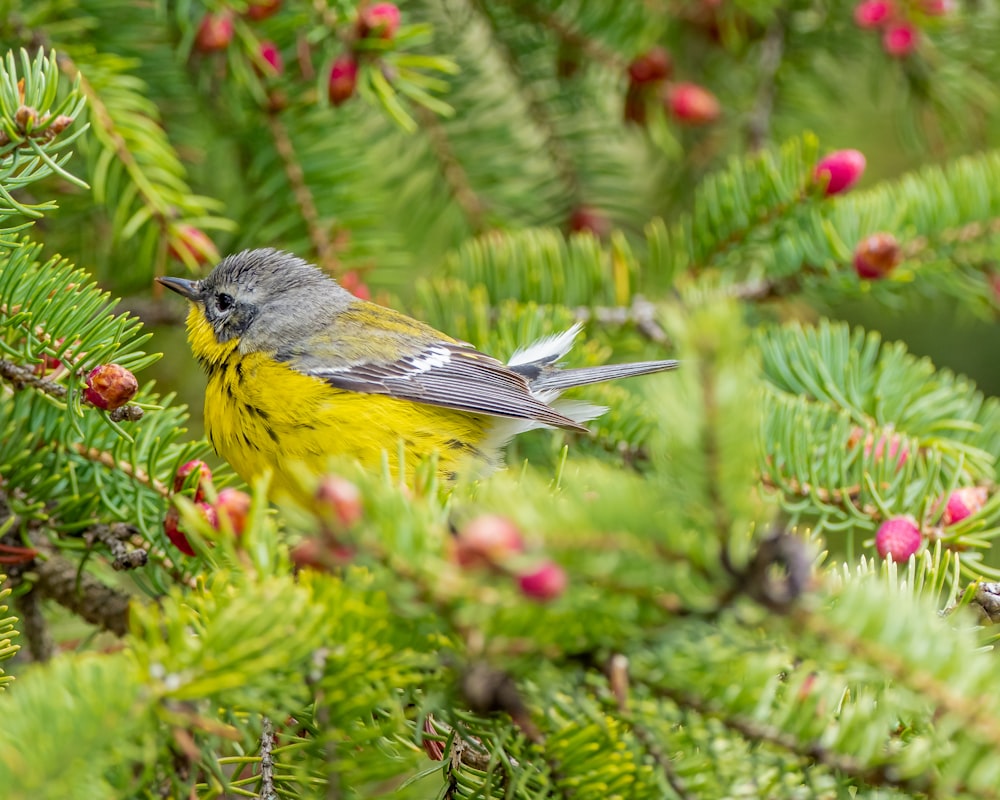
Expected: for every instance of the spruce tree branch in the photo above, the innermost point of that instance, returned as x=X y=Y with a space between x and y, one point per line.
x=845 y=498
x=106 y=459
x=974 y=713
x=325 y=255
x=538 y=109
x=568 y=34
x=104 y=125
x=452 y=170
x=641 y=313
x=759 y=119
x=814 y=752
x=618 y=683
x=113 y=537
x=267 y=791
x=771 y=216
x=62 y=580
x=19 y=377
x=33 y=624
x=762 y=289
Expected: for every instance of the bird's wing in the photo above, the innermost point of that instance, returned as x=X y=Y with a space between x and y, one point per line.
x=425 y=366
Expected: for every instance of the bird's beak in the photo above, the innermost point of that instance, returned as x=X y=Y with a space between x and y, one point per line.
x=182 y=286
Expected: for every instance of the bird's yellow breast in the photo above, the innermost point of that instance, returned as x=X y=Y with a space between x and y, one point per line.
x=261 y=415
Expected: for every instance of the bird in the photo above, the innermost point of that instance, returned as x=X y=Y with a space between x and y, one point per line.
x=300 y=370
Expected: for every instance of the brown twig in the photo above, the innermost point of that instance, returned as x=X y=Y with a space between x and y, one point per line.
x=813 y=751
x=267 y=791
x=19 y=377
x=33 y=624
x=452 y=170
x=977 y=714
x=563 y=30
x=283 y=144
x=62 y=580
x=539 y=109
x=113 y=537
x=641 y=313
x=108 y=460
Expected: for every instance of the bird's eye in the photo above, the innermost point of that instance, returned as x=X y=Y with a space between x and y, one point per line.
x=224 y=302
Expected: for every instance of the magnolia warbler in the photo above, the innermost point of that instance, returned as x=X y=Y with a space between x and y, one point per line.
x=300 y=370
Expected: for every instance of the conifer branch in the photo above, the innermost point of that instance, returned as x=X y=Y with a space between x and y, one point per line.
x=19 y=377
x=108 y=460
x=325 y=254
x=846 y=497
x=561 y=157
x=113 y=537
x=36 y=631
x=974 y=714
x=571 y=36
x=63 y=581
x=267 y=791
x=105 y=126
x=452 y=169
x=815 y=752
x=641 y=313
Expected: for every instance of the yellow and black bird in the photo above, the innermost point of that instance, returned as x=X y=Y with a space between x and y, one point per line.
x=300 y=370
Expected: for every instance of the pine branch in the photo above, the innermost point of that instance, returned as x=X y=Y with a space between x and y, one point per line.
x=571 y=36
x=814 y=752
x=538 y=110
x=317 y=228
x=453 y=172
x=60 y=579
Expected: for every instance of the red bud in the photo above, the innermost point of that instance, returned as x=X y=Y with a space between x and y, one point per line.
x=204 y=475
x=343 y=80
x=262 y=9
x=110 y=386
x=963 y=503
x=486 y=541
x=271 y=55
x=900 y=39
x=380 y=19
x=234 y=505
x=194 y=243
x=545 y=583
x=873 y=13
x=352 y=282
x=876 y=256
x=177 y=537
x=691 y=104
x=652 y=66
x=841 y=170
x=342 y=498
x=587 y=218
x=215 y=32
x=898 y=537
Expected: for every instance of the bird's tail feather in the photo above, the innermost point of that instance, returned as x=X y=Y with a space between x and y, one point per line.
x=559 y=380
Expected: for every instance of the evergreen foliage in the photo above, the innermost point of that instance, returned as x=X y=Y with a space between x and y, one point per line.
x=726 y=629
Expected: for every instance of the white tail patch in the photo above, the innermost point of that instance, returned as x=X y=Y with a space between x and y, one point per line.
x=547 y=350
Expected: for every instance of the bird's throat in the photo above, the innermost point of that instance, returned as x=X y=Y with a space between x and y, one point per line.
x=206 y=348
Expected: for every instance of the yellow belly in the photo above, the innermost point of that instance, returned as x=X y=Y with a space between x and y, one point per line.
x=262 y=416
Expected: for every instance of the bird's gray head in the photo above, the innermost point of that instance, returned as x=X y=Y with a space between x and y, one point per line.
x=266 y=298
